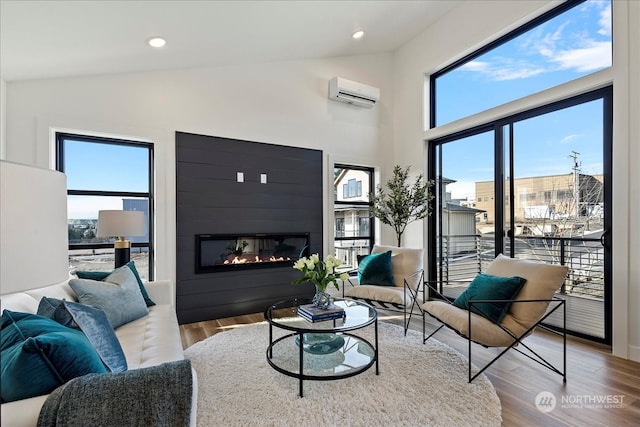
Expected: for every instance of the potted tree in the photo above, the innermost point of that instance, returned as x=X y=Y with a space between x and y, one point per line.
x=400 y=202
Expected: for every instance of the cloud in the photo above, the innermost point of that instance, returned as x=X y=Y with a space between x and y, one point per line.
x=479 y=66
x=568 y=138
x=501 y=69
x=594 y=56
x=605 y=21
x=563 y=46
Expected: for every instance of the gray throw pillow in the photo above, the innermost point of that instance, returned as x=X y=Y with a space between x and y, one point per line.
x=93 y=323
x=118 y=295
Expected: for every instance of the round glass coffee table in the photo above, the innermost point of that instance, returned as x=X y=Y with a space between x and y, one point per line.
x=330 y=350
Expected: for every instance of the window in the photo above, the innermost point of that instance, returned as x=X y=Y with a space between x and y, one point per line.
x=339 y=231
x=352 y=189
x=553 y=162
x=353 y=234
x=570 y=41
x=104 y=173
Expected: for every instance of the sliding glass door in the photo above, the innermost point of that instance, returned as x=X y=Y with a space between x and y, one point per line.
x=535 y=185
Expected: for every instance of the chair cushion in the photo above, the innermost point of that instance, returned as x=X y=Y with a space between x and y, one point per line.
x=390 y=294
x=405 y=262
x=38 y=355
x=543 y=281
x=487 y=287
x=93 y=323
x=376 y=269
x=483 y=330
x=101 y=275
x=118 y=295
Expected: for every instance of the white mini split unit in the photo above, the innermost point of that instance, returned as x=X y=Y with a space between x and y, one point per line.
x=354 y=93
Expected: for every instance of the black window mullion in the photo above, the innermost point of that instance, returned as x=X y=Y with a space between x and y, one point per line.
x=148 y=195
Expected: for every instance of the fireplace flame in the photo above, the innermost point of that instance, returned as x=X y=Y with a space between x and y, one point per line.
x=242 y=260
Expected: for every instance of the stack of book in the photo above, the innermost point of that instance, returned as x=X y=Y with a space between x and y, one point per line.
x=315 y=314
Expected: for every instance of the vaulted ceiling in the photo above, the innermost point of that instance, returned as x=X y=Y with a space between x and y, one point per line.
x=46 y=39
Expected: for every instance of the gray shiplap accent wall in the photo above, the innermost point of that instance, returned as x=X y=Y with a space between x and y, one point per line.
x=210 y=201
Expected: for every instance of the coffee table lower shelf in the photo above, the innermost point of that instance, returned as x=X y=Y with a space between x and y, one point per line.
x=343 y=363
x=351 y=355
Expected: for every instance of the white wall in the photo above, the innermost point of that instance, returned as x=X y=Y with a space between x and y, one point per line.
x=281 y=103
x=3 y=118
x=472 y=25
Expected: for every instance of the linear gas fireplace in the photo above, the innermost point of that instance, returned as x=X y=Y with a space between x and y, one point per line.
x=228 y=252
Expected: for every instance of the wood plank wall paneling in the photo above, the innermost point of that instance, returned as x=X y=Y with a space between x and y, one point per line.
x=209 y=200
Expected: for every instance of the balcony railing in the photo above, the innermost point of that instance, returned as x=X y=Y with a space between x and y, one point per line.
x=461 y=258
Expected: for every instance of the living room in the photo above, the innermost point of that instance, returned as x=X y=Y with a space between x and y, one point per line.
x=282 y=100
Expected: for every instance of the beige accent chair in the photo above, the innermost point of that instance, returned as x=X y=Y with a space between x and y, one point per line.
x=408 y=274
x=531 y=306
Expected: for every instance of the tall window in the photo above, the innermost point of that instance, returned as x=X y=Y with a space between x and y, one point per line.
x=353 y=233
x=552 y=162
x=570 y=41
x=103 y=174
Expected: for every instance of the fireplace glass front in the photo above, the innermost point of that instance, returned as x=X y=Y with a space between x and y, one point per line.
x=225 y=252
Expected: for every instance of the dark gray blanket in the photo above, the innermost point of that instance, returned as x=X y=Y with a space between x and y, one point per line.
x=154 y=396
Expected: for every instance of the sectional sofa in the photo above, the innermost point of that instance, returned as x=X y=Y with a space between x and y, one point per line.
x=151 y=340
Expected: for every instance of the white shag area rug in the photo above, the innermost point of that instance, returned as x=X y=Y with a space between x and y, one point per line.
x=419 y=385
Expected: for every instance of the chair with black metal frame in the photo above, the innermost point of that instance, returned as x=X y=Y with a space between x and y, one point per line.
x=533 y=304
x=404 y=297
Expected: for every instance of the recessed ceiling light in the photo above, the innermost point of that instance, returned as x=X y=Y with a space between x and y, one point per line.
x=157 y=42
x=358 y=34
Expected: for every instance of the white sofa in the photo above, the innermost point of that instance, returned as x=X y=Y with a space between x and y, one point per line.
x=151 y=340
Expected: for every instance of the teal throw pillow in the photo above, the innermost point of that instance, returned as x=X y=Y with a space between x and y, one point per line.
x=487 y=287
x=118 y=295
x=101 y=275
x=38 y=355
x=93 y=323
x=376 y=269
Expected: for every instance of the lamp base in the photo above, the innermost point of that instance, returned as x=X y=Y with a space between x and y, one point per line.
x=122 y=252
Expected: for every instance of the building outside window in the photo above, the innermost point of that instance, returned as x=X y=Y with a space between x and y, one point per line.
x=353 y=234
x=106 y=174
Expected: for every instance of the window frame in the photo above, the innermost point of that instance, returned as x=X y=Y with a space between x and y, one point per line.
x=61 y=137
x=371 y=237
x=539 y=20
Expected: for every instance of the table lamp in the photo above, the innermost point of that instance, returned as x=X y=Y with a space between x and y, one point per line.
x=120 y=224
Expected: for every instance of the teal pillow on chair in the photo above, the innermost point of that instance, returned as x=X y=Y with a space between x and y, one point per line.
x=376 y=269
x=93 y=323
x=101 y=275
x=487 y=287
x=38 y=355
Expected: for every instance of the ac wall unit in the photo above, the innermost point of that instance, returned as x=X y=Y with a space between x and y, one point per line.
x=354 y=93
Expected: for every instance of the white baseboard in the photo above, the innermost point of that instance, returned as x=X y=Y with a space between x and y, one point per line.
x=634 y=353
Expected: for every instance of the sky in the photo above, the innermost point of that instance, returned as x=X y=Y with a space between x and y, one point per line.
x=572 y=45
x=94 y=166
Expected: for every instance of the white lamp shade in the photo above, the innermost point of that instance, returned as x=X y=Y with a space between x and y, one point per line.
x=121 y=223
x=33 y=227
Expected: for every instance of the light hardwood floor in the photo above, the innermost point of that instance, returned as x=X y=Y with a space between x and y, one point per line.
x=592 y=375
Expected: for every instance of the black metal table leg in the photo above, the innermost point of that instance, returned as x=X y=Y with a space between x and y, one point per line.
x=301 y=335
x=376 y=351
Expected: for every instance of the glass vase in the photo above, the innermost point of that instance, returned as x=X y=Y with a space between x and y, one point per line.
x=321 y=300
